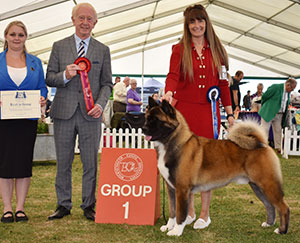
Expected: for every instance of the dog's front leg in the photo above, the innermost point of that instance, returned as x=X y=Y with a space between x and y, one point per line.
x=182 y=203
x=172 y=217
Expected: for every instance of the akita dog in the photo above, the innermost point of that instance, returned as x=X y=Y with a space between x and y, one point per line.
x=190 y=164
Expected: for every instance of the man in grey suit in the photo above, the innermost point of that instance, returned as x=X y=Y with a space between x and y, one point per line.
x=69 y=111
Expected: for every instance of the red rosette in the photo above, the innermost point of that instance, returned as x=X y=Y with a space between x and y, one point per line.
x=83 y=63
x=85 y=66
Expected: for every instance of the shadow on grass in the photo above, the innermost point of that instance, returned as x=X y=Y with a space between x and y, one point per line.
x=44 y=163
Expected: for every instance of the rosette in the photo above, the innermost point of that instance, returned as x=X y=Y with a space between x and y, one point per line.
x=85 y=66
x=213 y=95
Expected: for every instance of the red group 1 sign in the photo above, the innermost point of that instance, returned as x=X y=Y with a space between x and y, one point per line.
x=128 y=190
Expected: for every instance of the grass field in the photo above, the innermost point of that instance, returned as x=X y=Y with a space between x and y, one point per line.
x=236 y=215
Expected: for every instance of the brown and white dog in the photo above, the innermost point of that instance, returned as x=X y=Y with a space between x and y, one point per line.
x=190 y=164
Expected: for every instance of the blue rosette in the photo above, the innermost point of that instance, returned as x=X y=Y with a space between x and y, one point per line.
x=213 y=95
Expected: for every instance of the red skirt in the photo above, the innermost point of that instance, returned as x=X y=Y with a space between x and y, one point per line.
x=199 y=117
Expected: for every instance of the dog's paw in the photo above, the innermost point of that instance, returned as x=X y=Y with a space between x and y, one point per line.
x=169 y=226
x=164 y=228
x=265 y=224
x=176 y=231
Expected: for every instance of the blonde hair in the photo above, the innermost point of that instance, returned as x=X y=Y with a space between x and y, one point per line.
x=16 y=23
x=131 y=81
x=218 y=52
x=88 y=5
x=260 y=85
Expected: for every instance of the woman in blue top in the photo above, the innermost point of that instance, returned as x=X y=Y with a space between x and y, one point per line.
x=18 y=71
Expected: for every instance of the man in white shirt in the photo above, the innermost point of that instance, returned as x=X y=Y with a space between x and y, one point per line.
x=120 y=96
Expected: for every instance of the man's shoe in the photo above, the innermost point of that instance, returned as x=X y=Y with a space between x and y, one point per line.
x=89 y=213
x=60 y=212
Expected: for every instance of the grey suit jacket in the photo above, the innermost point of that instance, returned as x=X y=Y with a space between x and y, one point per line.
x=69 y=95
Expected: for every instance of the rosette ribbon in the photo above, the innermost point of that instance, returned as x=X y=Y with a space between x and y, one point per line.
x=85 y=66
x=213 y=95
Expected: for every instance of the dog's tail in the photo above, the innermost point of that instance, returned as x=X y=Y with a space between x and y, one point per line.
x=248 y=135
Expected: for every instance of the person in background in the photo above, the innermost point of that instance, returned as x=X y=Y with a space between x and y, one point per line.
x=69 y=112
x=274 y=107
x=256 y=98
x=48 y=108
x=259 y=91
x=235 y=92
x=161 y=92
x=108 y=110
x=199 y=62
x=246 y=101
x=134 y=101
x=117 y=80
x=120 y=96
x=18 y=71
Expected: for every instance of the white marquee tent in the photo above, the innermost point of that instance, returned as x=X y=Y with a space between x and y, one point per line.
x=262 y=36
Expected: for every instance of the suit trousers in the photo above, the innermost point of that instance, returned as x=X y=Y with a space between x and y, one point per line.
x=89 y=133
x=276 y=126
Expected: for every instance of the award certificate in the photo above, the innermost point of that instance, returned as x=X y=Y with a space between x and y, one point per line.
x=20 y=104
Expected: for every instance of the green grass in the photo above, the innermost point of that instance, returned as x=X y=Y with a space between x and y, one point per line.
x=235 y=212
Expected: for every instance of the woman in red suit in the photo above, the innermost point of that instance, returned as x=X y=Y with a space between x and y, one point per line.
x=199 y=63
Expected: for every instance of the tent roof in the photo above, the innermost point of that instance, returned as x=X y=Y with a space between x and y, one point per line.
x=262 y=33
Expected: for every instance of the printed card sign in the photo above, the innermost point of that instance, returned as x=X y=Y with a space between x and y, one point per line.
x=128 y=190
x=20 y=104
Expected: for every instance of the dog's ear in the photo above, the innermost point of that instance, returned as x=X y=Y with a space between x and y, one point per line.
x=152 y=102
x=168 y=109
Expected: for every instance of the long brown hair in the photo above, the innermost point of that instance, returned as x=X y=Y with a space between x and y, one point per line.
x=19 y=24
x=219 y=53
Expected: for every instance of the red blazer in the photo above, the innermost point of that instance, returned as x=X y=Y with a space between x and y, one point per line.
x=204 y=77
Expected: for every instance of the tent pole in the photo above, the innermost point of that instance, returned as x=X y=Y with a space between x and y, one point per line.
x=143 y=69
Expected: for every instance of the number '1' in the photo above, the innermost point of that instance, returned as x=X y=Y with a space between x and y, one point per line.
x=126 y=206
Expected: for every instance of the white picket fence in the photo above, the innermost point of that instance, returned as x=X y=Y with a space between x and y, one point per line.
x=132 y=138
x=290 y=142
x=128 y=138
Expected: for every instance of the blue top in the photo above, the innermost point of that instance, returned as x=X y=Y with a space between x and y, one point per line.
x=34 y=80
x=131 y=94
